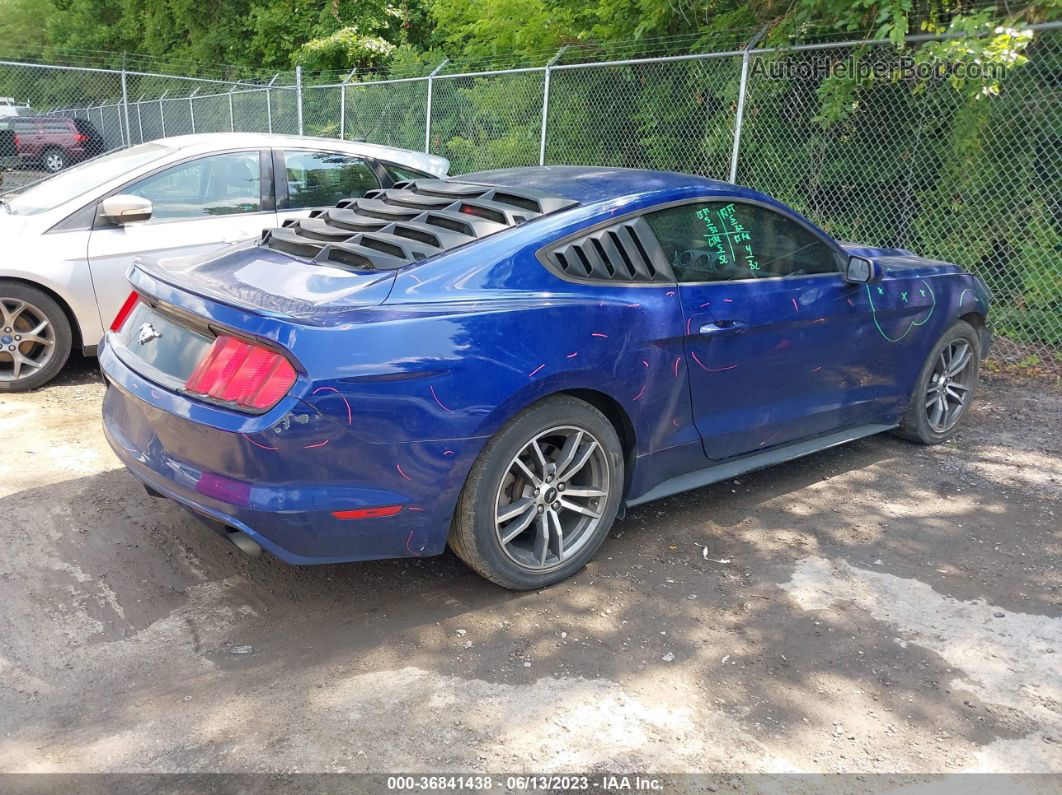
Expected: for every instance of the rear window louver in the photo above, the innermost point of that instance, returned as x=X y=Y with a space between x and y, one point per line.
x=413 y=220
x=625 y=252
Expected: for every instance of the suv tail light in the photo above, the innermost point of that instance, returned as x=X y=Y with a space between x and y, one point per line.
x=81 y=138
x=242 y=373
x=123 y=313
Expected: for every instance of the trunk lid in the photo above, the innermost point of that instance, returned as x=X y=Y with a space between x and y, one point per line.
x=271 y=283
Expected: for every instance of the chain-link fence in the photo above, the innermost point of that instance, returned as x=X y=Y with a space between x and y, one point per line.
x=909 y=163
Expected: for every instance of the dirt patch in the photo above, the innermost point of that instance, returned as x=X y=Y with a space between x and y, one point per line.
x=876 y=607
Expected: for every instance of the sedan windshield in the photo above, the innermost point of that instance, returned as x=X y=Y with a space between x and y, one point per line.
x=53 y=191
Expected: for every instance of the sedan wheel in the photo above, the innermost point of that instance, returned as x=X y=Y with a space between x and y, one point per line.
x=541 y=496
x=54 y=161
x=950 y=386
x=35 y=337
x=550 y=501
x=27 y=339
x=945 y=387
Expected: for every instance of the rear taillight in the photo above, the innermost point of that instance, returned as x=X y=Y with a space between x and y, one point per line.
x=123 y=313
x=81 y=138
x=242 y=373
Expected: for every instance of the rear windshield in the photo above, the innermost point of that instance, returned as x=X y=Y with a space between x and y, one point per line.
x=51 y=192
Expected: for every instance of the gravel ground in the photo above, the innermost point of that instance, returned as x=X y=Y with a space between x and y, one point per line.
x=878 y=607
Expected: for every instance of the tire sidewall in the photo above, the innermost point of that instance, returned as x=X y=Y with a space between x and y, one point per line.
x=510 y=440
x=916 y=422
x=63 y=335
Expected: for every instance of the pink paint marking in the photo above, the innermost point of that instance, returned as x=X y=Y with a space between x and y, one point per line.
x=632 y=306
x=689 y=320
x=796 y=306
x=670 y=292
x=675 y=366
x=350 y=415
x=532 y=373
x=645 y=362
x=599 y=334
x=674 y=422
x=640 y=393
x=572 y=355
x=850 y=302
x=818 y=320
x=448 y=452
x=400 y=472
x=431 y=388
x=319 y=444
x=711 y=369
x=706 y=303
x=416 y=508
x=252 y=441
x=409 y=547
x=816 y=369
x=728 y=300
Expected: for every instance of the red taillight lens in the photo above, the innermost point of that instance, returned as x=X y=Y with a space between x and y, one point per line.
x=81 y=138
x=248 y=375
x=124 y=312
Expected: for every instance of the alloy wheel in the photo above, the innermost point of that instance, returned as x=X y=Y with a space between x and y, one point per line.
x=53 y=162
x=551 y=498
x=27 y=339
x=950 y=385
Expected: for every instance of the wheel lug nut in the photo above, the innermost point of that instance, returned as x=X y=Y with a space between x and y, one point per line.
x=556 y=506
x=541 y=508
x=560 y=487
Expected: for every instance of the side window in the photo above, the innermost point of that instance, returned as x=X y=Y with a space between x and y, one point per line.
x=318 y=179
x=215 y=185
x=723 y=241
x=400 y=173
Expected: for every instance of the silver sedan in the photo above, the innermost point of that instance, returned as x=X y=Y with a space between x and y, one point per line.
x=66 y=242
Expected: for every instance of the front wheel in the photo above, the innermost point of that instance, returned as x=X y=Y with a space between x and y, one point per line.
x=542 y=495
x=35 y=337
x=945 y=387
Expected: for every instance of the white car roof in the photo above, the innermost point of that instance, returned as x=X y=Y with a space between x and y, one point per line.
x=206 y=142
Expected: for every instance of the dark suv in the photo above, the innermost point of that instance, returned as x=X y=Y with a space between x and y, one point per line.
x=53 y=142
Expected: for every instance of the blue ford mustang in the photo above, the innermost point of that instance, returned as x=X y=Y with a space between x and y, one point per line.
x=505 y=361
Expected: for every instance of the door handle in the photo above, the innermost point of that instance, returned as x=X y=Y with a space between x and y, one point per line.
x=724 y=327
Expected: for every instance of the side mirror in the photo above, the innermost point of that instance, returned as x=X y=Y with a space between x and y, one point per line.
x=125 y=209
x=860 y=270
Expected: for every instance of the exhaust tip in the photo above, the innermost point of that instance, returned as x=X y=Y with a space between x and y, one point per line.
x=244 y=542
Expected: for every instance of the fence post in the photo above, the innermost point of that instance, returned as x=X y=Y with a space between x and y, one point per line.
x=125 y=106
x=162 y=113
x=139 y=119
x=191 y=109
x=232 y=119
x=269 y=101
x=298 y=95
x=745 y=58
x=545 y=104
x=343 y=105
x=427 y=115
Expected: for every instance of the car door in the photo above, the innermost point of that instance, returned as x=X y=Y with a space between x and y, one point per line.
x=199 y=206
x=774 y=336
x=309 y=178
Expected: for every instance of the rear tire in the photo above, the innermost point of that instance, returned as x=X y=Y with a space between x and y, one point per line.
x=945 y=388
x=565 y=499
x=35 y=337
x=54 y=160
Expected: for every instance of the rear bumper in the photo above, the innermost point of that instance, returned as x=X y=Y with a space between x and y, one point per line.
x=281 y=487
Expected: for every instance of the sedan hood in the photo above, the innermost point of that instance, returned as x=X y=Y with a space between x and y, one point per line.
x=270 y=283
x=10 y=227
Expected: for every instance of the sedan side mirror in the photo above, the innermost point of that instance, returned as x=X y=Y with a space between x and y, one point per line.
x=125 y=209
x=861 y=270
